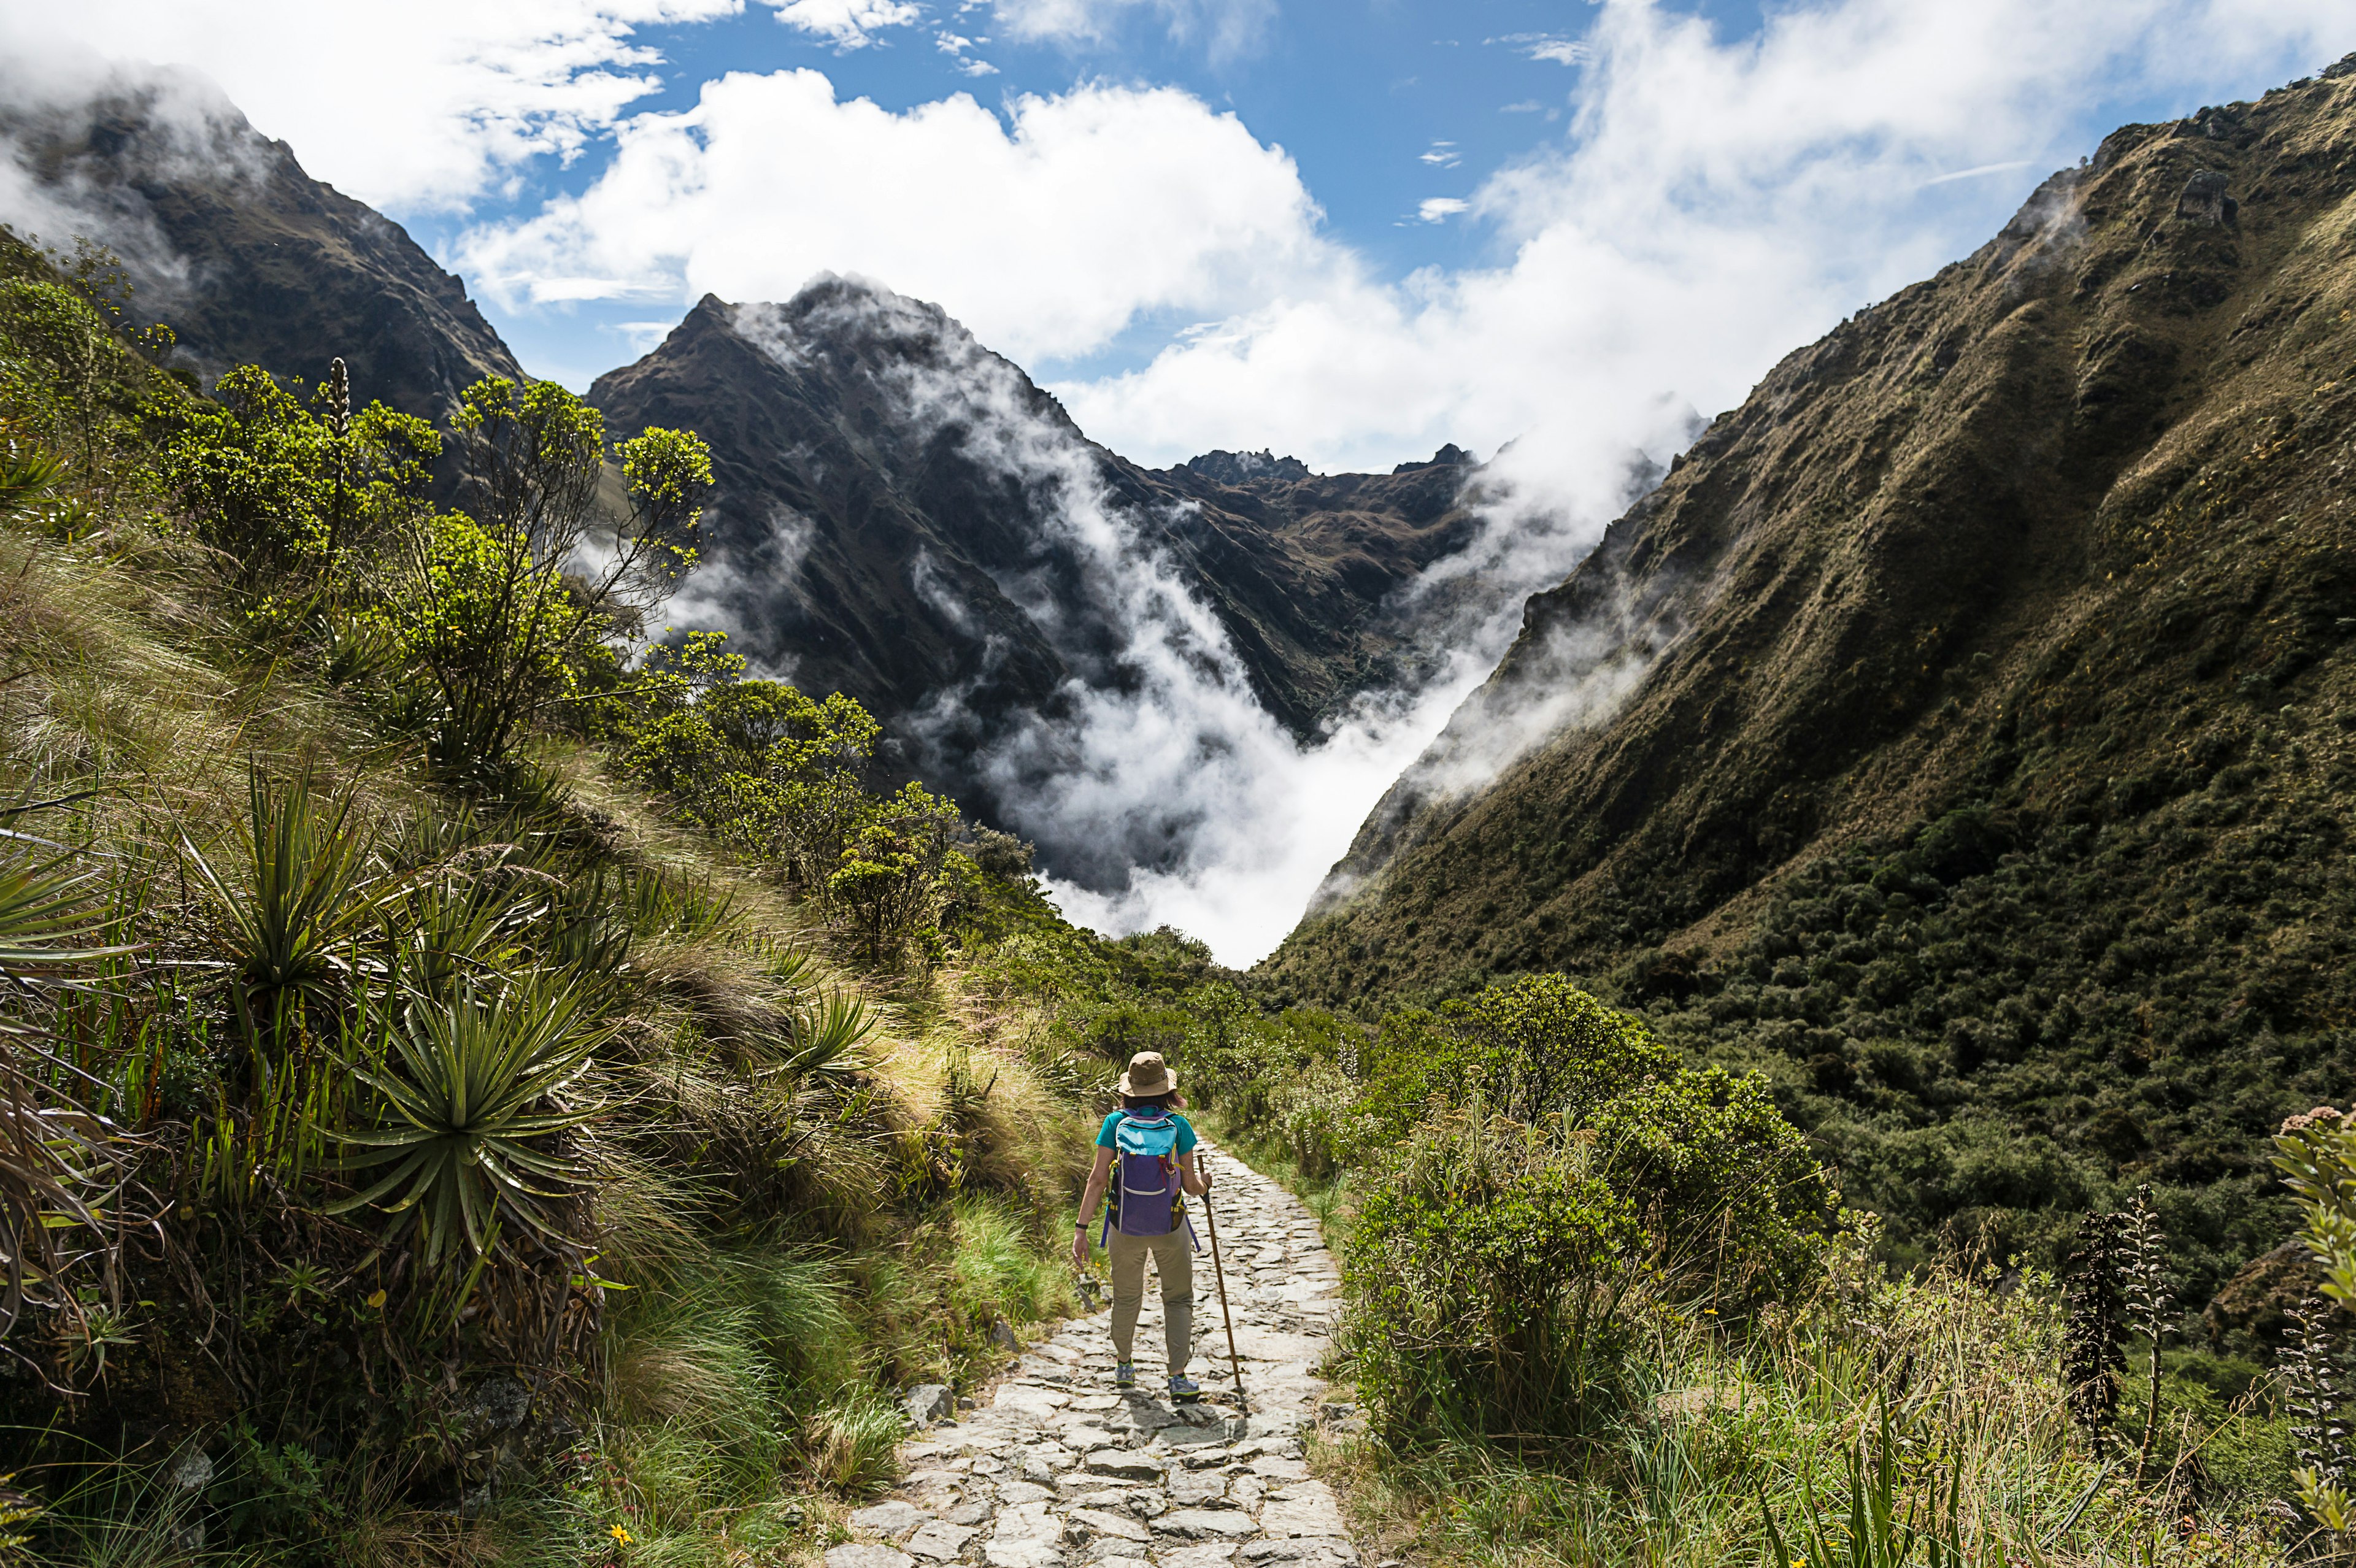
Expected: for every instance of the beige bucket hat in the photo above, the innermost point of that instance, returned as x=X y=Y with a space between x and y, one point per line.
x=1148 y=1075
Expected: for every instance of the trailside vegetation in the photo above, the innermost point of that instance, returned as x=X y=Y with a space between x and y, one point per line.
x=483 y=1078
x=479 y=1080
x=1605 y=1303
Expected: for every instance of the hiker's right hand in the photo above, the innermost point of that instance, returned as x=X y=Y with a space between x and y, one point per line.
x=1080 y=1248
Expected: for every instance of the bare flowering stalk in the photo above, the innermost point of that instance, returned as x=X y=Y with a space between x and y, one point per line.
x=2143 y=1279
x=339 y=426
x=2094 y=1317
x=2315 y=1385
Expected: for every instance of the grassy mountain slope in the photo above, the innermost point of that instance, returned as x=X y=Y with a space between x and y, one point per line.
x=1963 y=729
x=797 y=1183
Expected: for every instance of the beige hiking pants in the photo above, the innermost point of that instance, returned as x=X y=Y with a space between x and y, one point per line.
x=1174 y=1258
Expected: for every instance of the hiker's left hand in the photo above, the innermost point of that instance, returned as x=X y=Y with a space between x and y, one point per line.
x=1080 y=1250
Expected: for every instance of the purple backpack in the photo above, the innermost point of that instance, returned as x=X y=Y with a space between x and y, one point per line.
x=1145 y=1174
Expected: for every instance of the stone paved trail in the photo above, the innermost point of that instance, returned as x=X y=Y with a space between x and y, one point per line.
x=1060 y=1470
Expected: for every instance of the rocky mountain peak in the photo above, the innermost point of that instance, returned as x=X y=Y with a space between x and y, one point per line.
x=1224 y=467
x=1448 y=456
x=225 y=237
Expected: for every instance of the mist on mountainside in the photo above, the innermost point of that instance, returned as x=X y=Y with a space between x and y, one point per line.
x=1185 y=685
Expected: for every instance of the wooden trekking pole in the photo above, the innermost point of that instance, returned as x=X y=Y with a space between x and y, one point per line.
x=1220 y=1271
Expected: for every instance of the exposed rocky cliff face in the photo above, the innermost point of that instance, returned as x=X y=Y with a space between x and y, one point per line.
x=1963 y=729
x=248 y=259
x=904 y=516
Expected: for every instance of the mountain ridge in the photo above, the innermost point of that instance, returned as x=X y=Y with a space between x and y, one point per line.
x=1979 y=756
x=250 y=259
x=907 y=517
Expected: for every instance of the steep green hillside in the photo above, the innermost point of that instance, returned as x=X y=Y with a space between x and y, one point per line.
x=427 y=1138
x=1964 y=729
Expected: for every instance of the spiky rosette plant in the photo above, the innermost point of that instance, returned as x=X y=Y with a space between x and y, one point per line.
x=473 y=1093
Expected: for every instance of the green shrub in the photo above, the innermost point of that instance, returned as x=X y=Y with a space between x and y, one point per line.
x=1534 y=1159
x=1736 y=1207
x=1488 y=1270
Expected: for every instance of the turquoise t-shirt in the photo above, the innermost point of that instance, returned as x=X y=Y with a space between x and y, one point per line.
x=1185 y=1131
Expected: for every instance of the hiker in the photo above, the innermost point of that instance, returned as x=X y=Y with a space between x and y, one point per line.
x=1153 y=1151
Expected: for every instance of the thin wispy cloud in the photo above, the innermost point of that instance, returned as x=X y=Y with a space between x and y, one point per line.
x=2006 y=167
x=1559 y=48
x=957 y=46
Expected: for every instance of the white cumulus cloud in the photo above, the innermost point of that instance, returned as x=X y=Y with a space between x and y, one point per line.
x=1712 y=205
x=425 y=108
x=1046 y=233
x=847 y=23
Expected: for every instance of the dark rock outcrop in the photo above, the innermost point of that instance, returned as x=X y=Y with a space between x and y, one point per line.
x=248 y=259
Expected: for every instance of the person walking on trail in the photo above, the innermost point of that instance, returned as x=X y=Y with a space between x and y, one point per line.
x=1145 y=1159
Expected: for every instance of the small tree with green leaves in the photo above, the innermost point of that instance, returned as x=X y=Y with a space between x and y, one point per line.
x=766 y=768
x=275 y=488
x=499 y=611
x=2316 y=1155
x=890 y=879
x=71 y=372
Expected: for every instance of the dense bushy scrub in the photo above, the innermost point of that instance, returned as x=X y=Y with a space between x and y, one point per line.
x=778 y=775
x=1591 y=1167
x=1488 y=1269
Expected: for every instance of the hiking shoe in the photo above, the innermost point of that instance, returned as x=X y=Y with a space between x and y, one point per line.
x=1184 y=1390
x=1124 y=1376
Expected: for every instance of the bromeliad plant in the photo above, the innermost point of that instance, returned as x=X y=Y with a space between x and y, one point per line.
x=291 y=931
x=1886 y=1523
x=472 y=1094
x=293 y=934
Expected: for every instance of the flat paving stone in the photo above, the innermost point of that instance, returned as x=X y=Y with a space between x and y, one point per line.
x=1306 y=1507
x=891 y=1520
x=862 y=1556
x=1209 y=1554
x=1103 y=1521
x=938 y=1541
x=1197 y=1523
